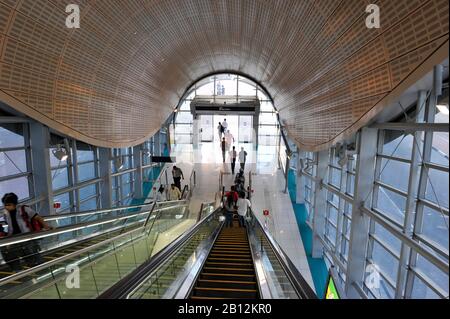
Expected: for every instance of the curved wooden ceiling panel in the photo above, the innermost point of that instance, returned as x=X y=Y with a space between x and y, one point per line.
x=117 y=78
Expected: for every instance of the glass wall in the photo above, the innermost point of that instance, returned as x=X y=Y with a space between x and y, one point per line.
x=407 y=210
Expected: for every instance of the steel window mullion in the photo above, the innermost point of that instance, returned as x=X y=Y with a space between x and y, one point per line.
x=437 y=167
x=429 y=242
x=385 y=245
x=429 y=282
x=394 y=158
x=9 y=177
x=433 y=206
x=391 y=188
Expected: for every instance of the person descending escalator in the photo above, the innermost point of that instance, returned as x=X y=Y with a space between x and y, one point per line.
x=21 y=219
x=223 y=147
x=174 y=193
x=242 y=206
x=230 y=205
x=161 y=194
x=177 y=174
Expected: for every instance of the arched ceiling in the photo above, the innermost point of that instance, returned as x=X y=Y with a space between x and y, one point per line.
x=117 y=78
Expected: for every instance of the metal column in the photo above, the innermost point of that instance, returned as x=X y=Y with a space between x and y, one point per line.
x=105 y=175
x=320 y=205
x=138 y=177
x=40 y=158
x=359 y=233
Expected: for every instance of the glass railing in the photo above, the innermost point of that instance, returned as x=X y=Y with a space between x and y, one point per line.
x=278 y=278
x=166 y=279
x=206 y=209
x=98 y=266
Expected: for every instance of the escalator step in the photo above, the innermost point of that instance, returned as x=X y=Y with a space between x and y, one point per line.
x=231 y=265
x=230 y=284
x=235 y=270
x=225 y=292
x=218 y=259
x=231 y=277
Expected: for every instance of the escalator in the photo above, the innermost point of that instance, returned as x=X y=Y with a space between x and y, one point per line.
x=213 y=262
x=103 y=259
x=229 y=270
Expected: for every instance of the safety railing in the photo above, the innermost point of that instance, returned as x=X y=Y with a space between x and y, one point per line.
x=278 y=278
x=164 y=275
x=32 y=249
x=99 y=266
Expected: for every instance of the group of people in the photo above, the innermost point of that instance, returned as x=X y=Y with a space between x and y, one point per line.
x=174 y=192
x=225 y=143
x=236 y=203
x=20 y=219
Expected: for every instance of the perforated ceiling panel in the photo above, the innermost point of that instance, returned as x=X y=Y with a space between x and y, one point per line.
x=117 y=78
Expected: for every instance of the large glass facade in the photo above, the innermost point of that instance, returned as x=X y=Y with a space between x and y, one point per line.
x=407 y=211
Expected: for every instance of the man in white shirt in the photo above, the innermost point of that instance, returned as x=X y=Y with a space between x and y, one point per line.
x=229 y=139
x=225 y=125
x=242 y=206
x=242 y=158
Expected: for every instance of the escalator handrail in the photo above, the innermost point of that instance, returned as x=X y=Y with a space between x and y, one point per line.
x=128 y=284
x=92 y=212
x=64 y=229
x=57 y=260
x=295 y=277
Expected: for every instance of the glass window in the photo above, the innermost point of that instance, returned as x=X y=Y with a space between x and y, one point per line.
x=389 y=239
x=392 y=204
x=395 y=173
x=268 y=118
x=11 y=135
x=184 y=117
x=421 y=291
x=397 y=145
x=351 y=184
x=331 y=234
x=13 y=162
x=206 y=89
x=226 y=84
x=90 y=204
x=437 y=191
x=435 y=226
x=60 y=178
x=335 y=178
x=183 y=129
x=19 y=186
x=245 y=88
x=387 y=263
x=333 y=213
x=439 y=151
x=86 y=171
x=438 y=277
x=87 y=192
x=84 y=153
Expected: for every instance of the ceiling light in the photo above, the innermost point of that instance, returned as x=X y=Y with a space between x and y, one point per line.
x=443 y=108
x=60 y=153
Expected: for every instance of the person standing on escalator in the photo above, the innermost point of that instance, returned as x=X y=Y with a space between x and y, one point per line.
x=21 y=219
x=177 y=174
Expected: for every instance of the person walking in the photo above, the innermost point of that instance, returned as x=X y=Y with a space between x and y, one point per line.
x=177 y=174
x=220 y=131
x=223 y=146
x=21 y=219
x=174 y=193
x=242 y=158
x=242 y=206
x=229 y=138
x=233 y=156
x=225 y=125
x=229 y=210
x=161 y=194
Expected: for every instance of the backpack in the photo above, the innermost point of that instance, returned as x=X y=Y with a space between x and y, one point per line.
x=33 y=224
